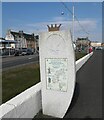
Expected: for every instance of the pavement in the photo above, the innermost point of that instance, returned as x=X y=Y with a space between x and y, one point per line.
x=87 y=99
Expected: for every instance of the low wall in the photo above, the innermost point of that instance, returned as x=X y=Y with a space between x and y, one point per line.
x=81 y=62
x=25 y=105
x=28 y=103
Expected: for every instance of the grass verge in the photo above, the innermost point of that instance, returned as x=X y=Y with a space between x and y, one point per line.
x=16 y=80
x=79 y=55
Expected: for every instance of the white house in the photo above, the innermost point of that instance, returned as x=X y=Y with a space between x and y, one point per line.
x=24 y=40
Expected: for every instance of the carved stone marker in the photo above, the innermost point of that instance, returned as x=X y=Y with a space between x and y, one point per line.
x=57 y=68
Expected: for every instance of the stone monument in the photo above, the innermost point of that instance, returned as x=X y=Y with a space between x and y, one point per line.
x=57 y=69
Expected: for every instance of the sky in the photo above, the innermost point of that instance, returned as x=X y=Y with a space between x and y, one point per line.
x=33 y=17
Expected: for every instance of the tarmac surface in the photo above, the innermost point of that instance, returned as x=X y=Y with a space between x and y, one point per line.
x=16 y=61
x=87 y=99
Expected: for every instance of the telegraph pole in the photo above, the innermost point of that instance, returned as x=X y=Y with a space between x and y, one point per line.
x=73 y=24
x=62 y=13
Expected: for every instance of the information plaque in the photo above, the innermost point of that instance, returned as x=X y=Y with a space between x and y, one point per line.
x=56 y=74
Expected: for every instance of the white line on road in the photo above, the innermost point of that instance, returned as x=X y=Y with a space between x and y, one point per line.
x=30 y=58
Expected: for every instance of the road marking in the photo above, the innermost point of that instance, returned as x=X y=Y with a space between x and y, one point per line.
x=30 y=58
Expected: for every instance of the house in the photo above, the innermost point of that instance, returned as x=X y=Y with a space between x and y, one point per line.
x=24 y=40
x=102 y=44
x=6 y=43
x=5 y=46
x=82 y=44
x=96 y=44
x=1 y=43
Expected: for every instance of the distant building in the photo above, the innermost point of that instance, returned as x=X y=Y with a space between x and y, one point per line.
x=1 y=44
x=1 y=38
x=102 y=44
x=82 y=44
x=24 y=40
x=5 y=46
x=96 y=44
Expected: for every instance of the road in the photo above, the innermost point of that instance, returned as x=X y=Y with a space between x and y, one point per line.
x=14 y=61
x=87 y=99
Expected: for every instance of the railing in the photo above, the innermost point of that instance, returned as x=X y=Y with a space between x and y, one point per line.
x=28 y=103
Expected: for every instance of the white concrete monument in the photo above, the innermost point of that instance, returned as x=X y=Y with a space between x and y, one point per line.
x=57 y=69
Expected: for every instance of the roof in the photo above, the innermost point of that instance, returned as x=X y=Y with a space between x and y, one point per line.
x=7 y=41
x=21 y=33
x=1 y=38
x=78 y=39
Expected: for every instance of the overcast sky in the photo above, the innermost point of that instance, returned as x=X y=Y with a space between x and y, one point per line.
x=33 y=17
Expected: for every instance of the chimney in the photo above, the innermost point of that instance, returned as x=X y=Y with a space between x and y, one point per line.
x=21 y=31
x=33 y=34
x=54 y=27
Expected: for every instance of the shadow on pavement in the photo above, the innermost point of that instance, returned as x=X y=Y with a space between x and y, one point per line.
x=74 y=99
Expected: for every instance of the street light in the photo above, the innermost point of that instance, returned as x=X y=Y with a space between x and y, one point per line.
x=62 y=13
x=73 y=23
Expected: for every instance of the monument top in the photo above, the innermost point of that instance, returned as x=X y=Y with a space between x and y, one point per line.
x=54 y=27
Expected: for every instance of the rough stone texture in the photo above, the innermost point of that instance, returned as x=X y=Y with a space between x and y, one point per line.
x=57 y=44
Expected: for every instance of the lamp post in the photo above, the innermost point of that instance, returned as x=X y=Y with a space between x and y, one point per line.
x=73 y=23
x=62 y=13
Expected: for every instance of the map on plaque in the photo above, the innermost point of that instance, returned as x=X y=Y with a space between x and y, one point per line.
x=56 y=74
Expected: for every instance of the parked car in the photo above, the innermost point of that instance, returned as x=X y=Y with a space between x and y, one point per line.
x=27 y=51
x=17 y=52
x=98 y=48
